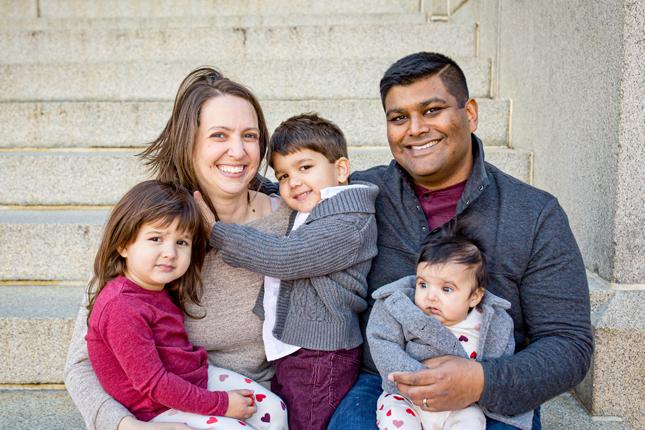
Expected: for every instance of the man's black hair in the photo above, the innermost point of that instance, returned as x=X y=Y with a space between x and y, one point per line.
x=414 y=67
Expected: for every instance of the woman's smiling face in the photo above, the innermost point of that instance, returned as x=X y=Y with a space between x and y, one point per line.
x=226 y=155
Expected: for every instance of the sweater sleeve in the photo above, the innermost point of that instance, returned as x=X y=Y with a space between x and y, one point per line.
x=555 y=305
x=315 y=249
x=99 y=410
x=387 y=346
x=128 y=333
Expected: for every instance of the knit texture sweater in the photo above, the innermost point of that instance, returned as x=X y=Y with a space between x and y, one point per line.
x=401 y=336
x=140 y=352
x=322 y=267
x=230 y=333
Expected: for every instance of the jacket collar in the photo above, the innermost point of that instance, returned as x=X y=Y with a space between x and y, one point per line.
x=351 y=200
x=477 y=181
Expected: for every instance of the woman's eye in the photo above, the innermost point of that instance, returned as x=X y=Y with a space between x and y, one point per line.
x=251 y=136
x=217 y=135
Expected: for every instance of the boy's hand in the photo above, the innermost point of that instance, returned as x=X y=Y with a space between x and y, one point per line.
x=240 y=404
x=207 y=214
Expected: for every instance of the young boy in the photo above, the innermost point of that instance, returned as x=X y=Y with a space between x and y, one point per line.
x=444 y=310
x=315 y=285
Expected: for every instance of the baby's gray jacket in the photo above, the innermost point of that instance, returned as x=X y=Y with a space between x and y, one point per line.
x=401 y=336
x=322 y=267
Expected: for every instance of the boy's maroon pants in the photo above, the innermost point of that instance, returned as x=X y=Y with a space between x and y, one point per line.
x=312 y=383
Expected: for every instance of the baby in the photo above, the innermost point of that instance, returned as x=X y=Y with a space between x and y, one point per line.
x=443 y=310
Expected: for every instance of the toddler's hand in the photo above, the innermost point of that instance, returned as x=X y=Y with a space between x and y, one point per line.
x=240 y=404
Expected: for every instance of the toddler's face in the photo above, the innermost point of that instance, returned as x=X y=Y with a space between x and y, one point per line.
x=159 y=255
x=302 y=174
x=446 y=291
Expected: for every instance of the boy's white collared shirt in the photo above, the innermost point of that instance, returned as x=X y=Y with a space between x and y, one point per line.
x=273 y=347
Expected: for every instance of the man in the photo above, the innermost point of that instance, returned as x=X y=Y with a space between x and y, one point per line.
x=438 y=173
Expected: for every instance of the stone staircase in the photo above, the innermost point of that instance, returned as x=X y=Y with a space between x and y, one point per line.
x=85 y=85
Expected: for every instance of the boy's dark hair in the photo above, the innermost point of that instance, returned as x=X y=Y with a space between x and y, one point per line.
x=453 y=246
x=421 y=65
x=308 y=131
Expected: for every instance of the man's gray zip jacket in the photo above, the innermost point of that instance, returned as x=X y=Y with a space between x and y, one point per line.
x=401 y=336
x=533 y=262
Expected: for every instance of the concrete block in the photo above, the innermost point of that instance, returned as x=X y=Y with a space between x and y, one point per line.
x=36 y=324
x=145 y=8
x=100 y=178
x=38 y=409
x=58 y=178
x=197 y=43
x=211 y=21
x=128 y=124
x=54 y=410
x=614 y=385
x=270 y=79
x=49 y=245
x=12 y=9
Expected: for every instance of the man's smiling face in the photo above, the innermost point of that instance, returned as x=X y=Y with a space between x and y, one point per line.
x=429 y=132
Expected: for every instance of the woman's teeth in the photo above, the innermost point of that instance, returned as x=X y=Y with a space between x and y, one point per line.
x=231 y=169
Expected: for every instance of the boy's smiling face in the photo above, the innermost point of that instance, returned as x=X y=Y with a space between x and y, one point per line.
x=302 y=174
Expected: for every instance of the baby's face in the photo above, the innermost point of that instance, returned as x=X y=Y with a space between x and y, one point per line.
x=446 y=291
x=302 y=174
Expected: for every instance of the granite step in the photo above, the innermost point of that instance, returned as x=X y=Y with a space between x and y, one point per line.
x=54 y=410
x=127 y=124
x=294 y=79
x=189 y=8
x=283 y=20
x=101 y=177
x=194 y=44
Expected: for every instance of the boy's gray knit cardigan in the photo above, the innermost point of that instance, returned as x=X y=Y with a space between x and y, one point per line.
x=322 y=266
x=401 y=336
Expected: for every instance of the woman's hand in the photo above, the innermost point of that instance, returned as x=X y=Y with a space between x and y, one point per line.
x=131 y=423
x=240 y=404
x=207 y=214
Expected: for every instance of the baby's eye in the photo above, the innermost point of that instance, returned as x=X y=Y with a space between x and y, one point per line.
x=423 y=285
x=447 y=289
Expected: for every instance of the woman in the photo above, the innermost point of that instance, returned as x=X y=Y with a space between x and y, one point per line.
x=213 y=143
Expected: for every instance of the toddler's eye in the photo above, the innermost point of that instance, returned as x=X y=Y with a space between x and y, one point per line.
x=305 y=167
x=183 y=242
x=423 y=285
x=281 y=178
x=447 y=289
x=155 y=239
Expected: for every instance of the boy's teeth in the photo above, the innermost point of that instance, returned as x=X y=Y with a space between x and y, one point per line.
x=231 y=169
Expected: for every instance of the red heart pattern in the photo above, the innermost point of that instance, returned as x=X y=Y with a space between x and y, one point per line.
x=411 y=412
x=266 y=418
x=463 y=338
x=398 y=423
x=211 y=420
x=473 y=355
x=388 y=413
x=222 y=378
x=398 y=398
x=247 y=380
x=260 y=397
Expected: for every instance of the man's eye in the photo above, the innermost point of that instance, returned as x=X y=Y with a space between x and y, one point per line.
x=398 y=119
x=432 y=110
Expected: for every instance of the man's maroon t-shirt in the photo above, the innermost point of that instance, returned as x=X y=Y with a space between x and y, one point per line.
x=439 y=205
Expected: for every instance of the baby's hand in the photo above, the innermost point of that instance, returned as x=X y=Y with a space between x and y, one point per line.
x=240 y=404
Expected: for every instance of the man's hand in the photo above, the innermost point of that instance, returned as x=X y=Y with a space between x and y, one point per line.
x=449 y=383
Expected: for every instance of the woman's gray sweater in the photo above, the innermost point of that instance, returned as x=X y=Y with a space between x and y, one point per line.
x=322 y=266
x=401 y=336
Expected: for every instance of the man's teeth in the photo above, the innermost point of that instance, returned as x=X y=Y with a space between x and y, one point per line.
x=427 y=145
x=231 y=169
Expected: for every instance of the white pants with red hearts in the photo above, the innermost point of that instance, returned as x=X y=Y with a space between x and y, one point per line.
x=271 y=412
x=396 y=412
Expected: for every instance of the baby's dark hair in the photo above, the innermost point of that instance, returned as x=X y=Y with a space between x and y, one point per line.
x=308 y=131
x=454 y=246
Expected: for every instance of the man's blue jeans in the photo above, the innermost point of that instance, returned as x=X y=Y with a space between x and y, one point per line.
x=357 y=410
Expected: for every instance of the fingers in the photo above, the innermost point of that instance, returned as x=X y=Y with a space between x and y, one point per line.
x=421 y=377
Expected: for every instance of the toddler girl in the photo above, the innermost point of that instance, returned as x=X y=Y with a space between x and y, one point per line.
x=146 y=269
x=443 y=310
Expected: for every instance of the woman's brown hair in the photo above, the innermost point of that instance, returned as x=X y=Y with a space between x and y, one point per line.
x=151 y=202
x=170 y=156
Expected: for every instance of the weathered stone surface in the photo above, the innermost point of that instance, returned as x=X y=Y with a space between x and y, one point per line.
x=36 y=324
x=294 y=79
x=128 y=124
x=194 y=44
